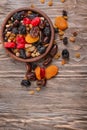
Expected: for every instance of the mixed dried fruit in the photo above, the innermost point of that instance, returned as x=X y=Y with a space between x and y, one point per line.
x=28 y=32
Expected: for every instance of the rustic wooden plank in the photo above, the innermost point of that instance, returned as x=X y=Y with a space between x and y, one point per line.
x=62 y=104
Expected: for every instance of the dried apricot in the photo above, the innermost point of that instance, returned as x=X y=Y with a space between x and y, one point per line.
x=30 y=39
x=61 y=23
x=37 y=72
x=51 y=71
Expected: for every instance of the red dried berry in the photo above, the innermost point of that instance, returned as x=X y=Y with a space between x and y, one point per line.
x=42 y=73
x=20 y=40
x=9 y=45
x=20 y=46
x=35 y=21
x=26 y=21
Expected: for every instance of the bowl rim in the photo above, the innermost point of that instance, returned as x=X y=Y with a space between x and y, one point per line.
x=51 y=40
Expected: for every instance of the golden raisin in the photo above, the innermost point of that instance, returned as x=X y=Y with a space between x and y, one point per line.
x=77 y=55
x=42 y=1
x=50 y=3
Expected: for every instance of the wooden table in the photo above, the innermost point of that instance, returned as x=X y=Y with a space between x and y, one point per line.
x=62 y=105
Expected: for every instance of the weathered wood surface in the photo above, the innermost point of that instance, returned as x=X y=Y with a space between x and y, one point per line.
x=63 y=104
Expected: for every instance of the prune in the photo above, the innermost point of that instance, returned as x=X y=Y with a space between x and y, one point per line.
x=22 y=29
x=34 y=32
x=54 y=50
x=64 y=13
x=22 y=53
x=31 y=76
x=25 y=83
x=65 y=54
x=47 y=61
x=47 y=31
x=41 y=49
x=15 y=31
x=65 y=40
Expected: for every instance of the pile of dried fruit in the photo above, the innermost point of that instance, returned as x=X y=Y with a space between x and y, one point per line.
x=26 y=34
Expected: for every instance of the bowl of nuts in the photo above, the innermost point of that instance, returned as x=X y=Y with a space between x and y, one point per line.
x=27 y=34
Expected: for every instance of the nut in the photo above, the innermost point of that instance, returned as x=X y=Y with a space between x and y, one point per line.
x=17 y=54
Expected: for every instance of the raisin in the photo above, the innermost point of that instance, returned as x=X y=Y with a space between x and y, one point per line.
x=17 y=16
x=22 y=29
x=22 y=53
x=15 y=31
x=41 y=49
x=46 y=23
x=65 y=54
x=32 y=16
x=25 y=83
x=64 y=13
x=47 y=31
x=65 y=40
x=16 y=23
x=36 y=44
x=41 y=82
x=34 y=31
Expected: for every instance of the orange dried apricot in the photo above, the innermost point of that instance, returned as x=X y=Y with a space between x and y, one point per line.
x=61 y=23
x=51 y=71
x=37 y=73
x=30 y=39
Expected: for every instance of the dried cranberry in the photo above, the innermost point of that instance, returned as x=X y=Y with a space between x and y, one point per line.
x=35 y=21
x=9 y=45
x=20 y=40
x=20 y=46
x=26 y=21
x=42 y=73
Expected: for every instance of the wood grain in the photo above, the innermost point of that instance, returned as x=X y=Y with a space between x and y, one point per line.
x=62 y=105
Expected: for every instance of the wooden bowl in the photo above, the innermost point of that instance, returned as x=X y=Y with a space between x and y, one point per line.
x=51 y=40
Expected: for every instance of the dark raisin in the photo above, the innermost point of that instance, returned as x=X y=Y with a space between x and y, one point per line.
x=22 y=29
x=32 y=16
x=47 y=31
x=25 y=83
x=56 y=30
x=65 y=40
x=17 y=16
x=36 y=44
x=34 y=65
x=64 y=13
x=65 y=54
x=41 y=49
x=47 y=60
x=15 y=31
x=22 y=53
x=54 y=50
x=34 y=32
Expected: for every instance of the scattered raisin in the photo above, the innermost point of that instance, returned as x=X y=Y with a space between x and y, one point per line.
x=25 y=83
x=65 y=54
x=65 y=40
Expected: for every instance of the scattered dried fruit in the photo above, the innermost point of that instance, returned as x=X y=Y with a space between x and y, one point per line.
x=51 y=71
x=62 y=1
x=61 y=23
x=31 y=92
x=63 y=62
x=65 y=40
x=38 y=89
x=42 y=1
x=50 y=3
x=77 y=55
x=57 y=56
x=65 y=54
